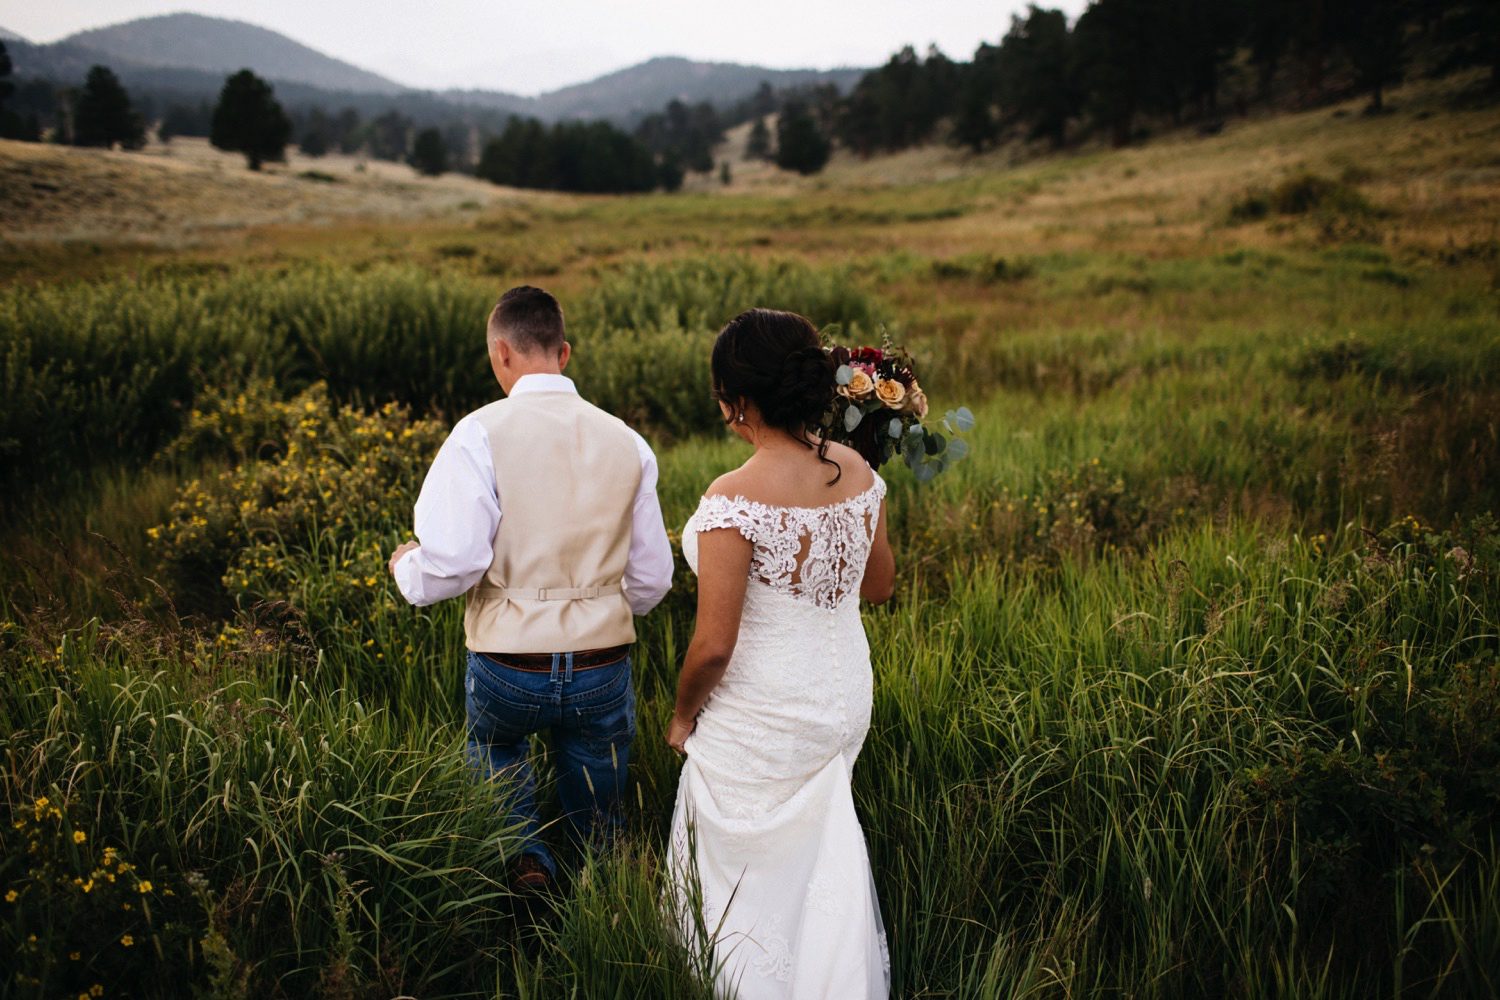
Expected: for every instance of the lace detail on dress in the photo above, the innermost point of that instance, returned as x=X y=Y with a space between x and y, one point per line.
x=775 y=959
x=813 y=553
x=821 y=896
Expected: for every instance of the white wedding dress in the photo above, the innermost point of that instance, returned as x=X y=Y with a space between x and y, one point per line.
x=764 y=815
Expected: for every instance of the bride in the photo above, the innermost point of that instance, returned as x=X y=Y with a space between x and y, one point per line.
x=774 y=698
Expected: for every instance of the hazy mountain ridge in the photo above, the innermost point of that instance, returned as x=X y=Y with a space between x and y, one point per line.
x=185 y=57
x=6 y=35
x=648 y=86
x=219 y=45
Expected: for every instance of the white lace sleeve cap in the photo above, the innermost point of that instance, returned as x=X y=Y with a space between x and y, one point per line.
x=719 y=511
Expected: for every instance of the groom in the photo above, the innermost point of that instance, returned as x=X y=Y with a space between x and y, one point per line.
x=542 y=510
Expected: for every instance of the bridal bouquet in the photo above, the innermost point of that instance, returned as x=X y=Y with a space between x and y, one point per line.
x=880 y=409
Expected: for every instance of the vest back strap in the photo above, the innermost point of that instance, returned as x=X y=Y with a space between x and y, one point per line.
x=485 y=592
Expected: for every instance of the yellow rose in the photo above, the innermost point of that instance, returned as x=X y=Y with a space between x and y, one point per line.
x=890 y=392
x=860 y=385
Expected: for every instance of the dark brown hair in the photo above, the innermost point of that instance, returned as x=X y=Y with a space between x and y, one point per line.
x=530 y=319
x=773 y=359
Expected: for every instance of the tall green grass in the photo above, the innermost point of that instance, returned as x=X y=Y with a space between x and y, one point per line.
x=94 y=372
x=1192 y=686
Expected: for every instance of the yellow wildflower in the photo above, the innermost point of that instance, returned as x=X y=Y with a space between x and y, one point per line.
x=126 y=940
x=12 y=896
x=79 y=836
x=144 y=887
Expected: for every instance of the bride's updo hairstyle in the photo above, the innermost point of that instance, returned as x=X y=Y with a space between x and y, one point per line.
x=773 y=359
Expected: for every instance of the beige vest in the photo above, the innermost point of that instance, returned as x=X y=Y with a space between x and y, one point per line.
x=567 y=475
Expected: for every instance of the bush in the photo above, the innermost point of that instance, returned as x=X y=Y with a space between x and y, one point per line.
x=323 y=479
x=1303 y=194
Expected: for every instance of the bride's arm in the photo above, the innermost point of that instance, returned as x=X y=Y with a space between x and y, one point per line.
x=879 y=581
x=723 y=568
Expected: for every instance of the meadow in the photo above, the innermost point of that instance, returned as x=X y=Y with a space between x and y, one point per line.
x=1191 y=686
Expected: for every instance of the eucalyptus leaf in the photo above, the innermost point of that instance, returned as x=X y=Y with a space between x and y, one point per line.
x=957 y=449
x=935 y=443
x=963 y=419
x=843 y=375
x=852 y=416
x=894 y=430
x=925 y=471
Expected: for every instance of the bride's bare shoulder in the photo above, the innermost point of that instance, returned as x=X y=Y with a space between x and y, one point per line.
x=852 y=464
x=730 y=484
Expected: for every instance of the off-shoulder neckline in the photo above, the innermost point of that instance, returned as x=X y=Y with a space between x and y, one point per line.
x=875 y=481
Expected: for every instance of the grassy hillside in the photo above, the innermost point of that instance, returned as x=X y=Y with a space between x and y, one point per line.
x=1192 y=685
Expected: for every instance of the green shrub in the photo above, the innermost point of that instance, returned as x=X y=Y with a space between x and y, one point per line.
x=1302 y=194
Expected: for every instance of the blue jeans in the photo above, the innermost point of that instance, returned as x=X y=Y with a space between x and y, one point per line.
x=591 y=717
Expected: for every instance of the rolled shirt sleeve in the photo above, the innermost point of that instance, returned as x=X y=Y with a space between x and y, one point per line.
x=648 y=567
x=456 y=517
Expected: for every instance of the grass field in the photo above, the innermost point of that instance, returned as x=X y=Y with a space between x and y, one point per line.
x=1192 y=682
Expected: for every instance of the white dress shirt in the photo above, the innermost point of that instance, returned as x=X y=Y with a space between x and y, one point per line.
x=458 y=513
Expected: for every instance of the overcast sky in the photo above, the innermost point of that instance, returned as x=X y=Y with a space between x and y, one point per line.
x=529 y=46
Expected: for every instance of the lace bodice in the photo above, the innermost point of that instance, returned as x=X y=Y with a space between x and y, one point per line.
x=816 y=554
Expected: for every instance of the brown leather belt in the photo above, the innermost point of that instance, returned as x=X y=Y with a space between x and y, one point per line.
x=542 y=662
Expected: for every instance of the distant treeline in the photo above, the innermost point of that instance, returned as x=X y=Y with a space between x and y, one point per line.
x=1122 y=68
x=1124 y=63
x=571 y=156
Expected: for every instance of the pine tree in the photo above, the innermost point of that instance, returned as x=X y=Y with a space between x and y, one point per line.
x=316 y=134
x=1034 y=74
x=103 y=116
x=429 y=154
x=389 y=135
x=6 y=87
x=800 y=144
x=1376 y=48
x=975 y=124
x=759 y=145
x=249 y=120
x=12 y=125
x=347 y=128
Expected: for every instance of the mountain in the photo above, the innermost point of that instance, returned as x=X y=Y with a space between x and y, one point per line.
x=10 y=36
x=183 y=58
x=639 y=90
x=220 y=46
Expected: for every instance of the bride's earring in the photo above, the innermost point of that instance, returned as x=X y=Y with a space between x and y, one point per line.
x=741 y=417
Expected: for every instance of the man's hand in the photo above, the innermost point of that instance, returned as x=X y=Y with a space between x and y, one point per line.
x=679 y=731
x=402 y=550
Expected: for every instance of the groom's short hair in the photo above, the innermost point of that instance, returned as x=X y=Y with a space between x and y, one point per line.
x=530 y=319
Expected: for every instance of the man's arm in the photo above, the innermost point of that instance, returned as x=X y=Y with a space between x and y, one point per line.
x=648 y=569
x=457 y=514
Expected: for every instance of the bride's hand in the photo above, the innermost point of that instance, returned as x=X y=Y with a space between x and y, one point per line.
x=679 y=731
